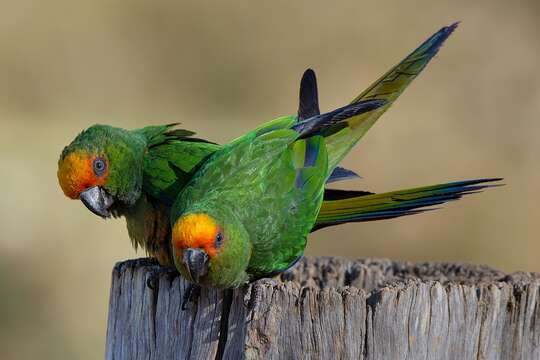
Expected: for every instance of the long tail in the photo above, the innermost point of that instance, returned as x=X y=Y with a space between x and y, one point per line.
x=388 y=88
x=342 y=206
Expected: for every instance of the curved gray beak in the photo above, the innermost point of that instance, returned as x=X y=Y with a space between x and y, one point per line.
x=97 y=201
x=196 y=262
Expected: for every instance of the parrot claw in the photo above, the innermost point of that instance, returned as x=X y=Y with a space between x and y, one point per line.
x=152 y=281
x=191 y=295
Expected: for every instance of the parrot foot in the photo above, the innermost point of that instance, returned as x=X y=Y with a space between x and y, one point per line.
x=153 y=278
x=191 y=295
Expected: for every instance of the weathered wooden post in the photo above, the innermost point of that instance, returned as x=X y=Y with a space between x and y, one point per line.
x=329 y=308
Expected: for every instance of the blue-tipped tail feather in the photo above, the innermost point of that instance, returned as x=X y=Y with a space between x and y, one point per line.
x=357 y=208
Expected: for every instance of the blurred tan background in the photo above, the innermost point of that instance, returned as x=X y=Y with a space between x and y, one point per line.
x=223 y=67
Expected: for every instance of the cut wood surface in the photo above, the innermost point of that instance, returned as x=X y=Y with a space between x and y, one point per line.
x=331 y=308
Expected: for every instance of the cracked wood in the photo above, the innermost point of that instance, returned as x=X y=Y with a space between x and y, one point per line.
x=331 y=308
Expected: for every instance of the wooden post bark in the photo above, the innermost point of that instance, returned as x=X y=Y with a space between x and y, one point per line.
x=330 y=308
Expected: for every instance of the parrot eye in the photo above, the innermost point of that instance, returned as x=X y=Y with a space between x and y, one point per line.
x=219 y=240
x=99 y=166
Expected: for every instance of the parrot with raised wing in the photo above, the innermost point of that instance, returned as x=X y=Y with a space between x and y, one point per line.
x=248 y=209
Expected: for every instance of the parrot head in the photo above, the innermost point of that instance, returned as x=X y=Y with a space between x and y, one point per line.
x=103 y=168
x=211 y=252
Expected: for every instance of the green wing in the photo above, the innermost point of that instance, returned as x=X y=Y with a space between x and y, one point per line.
x=286 y=210
x=284 y=225
x=388 y=87
x=172 y=156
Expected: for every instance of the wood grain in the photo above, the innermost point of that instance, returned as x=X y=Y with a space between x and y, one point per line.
x=331 y=308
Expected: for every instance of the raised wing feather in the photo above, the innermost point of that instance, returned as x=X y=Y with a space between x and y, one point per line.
x=388 y=87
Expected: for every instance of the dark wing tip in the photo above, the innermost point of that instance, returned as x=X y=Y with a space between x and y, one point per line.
x=357 y=108
x=480 y=181
x=437 y=40
x=339 y=173
x=180 y=133
x=309 y=74
x=454 y=25
x=309 y=97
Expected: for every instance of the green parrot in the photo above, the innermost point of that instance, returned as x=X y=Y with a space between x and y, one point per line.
x=248 y=209
x=136 y=174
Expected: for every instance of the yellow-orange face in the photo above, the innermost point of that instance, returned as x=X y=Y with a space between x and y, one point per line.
x=197 y=231
x=79 y=171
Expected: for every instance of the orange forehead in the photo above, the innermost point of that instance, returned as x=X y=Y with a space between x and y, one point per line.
x=76 y=174
x=195 y=231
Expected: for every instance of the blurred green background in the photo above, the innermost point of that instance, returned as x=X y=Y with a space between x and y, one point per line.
x=223 y=67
